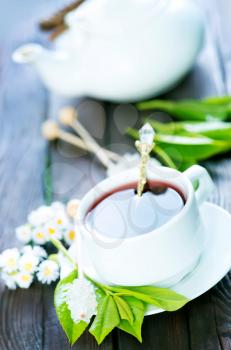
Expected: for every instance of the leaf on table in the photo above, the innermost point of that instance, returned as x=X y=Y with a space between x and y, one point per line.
x=72 y=330
x=198 y=110
x=106 y=320
x=124 y=309
x=162 y=298
x=185 y=150
x=216 y=130
x=217 y=100
x=138 y=309
x=168 y=299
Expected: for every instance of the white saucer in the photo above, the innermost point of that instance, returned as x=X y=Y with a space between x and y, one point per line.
x=214 y=263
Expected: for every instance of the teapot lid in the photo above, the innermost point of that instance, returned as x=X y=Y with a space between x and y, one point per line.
x=114 y=16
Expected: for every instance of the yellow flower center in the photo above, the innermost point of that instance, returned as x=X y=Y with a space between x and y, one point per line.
x=11 y=262
x=59 y=221
x=25 y=278
x=72 y=235
x=28 y=266
x=40 y=235
x=51 y=231
x=47 y=271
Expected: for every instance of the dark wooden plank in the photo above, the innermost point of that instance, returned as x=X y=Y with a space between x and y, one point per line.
x=168 y=331
x=23 y=106
x=22 y=152
x=221 y=294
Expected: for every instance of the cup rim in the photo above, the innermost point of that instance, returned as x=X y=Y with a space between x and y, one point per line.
x=81 y=215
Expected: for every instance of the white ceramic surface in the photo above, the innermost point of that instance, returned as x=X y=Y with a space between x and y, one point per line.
x=121 y=50
x=162 y=256
x=213 y=265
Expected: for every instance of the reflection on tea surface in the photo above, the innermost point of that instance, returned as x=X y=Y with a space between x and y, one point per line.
x=122 y=214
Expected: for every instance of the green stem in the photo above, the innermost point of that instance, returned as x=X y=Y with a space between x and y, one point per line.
x=48 y=180
x=164 y=157
x=62 y=249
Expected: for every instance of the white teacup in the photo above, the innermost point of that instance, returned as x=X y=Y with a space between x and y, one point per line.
x=161 y=257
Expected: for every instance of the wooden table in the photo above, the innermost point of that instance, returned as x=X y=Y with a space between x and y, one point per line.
x=27 y=317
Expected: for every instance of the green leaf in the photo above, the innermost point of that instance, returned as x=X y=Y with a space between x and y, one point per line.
x=167 y=298
x=138 y=309
x=190 y=109
x=215 y=130
x=217 y=100
x=124 y=309
x=187 y=150
x=72 y=330
x=106 y=320
x=162 y=298
x=164 y=157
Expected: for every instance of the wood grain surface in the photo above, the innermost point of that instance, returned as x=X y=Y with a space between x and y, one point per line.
x=27 y=318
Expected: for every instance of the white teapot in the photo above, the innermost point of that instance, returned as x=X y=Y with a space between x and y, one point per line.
x=120 y=50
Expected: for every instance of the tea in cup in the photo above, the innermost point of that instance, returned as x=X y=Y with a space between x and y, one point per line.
x=154 y=239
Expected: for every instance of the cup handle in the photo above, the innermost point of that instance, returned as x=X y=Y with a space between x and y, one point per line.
x=205 y=183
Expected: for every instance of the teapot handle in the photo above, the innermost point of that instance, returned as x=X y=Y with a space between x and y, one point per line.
x=197 y=173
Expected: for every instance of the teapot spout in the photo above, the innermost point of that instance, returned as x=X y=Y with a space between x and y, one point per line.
x=53 y=67
x=28 y=53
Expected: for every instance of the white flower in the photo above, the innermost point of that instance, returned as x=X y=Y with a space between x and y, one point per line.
x=36 y=250
x=23 y=279
x=40 y=216
x=23 y=233
x=53 y=231
x=39 y=235
x=48 y=271
x=9 y=260
x=58 y=206
x=70 y=235
x=81 y=300
x=128 y=161
x=9 y=280
x=61 y=220
x=27 y=263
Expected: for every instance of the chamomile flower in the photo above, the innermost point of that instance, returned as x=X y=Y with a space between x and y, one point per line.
x=9 y=260
x=39 y=235
x=40 y=216
x=36 y=250
x=9 y=280
x=52 y=231
x=81 y=300
x=28 y=263
x=69 y=235
x=23 y=233
x=23 y=279
x=48 y=271
x=61 y=221
x=57 y=206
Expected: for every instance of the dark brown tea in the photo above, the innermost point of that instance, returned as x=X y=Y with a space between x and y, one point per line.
x=122 y=214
